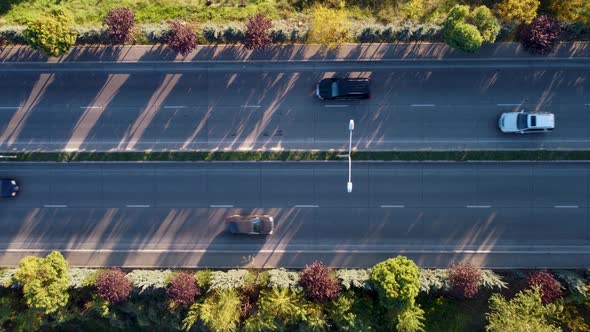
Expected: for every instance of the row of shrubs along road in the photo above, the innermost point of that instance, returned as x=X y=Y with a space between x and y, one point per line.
x=394 y=295
x=538 y=27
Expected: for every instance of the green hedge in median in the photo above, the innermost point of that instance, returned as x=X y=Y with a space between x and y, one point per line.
x=523 y=155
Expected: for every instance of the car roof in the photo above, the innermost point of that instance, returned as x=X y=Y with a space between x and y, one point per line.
x=248 y=217
x=244 y=224
x=6 y=187
x=543 y=120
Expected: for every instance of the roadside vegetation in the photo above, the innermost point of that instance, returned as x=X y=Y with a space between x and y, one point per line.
x=524 y=155
x=394 y=295
x=463 y=24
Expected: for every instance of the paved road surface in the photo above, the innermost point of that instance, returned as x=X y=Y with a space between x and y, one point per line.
x=171 y=214
x=416 y=105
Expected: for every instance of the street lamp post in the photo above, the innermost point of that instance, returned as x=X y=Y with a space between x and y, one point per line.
x=349 y=184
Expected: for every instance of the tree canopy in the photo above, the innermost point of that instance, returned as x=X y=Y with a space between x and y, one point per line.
x=525 y=312
x=52 y=33
x=467 y=30
x=329 y=27
x=220 y=312
x=517 y=11
x=45 y=281
x=397 y=281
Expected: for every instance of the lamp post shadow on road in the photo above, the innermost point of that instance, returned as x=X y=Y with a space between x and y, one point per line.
x=349 y=183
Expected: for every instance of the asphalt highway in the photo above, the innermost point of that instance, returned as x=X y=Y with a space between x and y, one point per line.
x=501 y=215
x=415 y=105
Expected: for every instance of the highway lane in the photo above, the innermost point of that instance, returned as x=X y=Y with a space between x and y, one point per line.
x=499 y=215
x=410 y=109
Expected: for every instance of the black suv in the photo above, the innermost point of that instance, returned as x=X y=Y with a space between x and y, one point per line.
x=344 y=88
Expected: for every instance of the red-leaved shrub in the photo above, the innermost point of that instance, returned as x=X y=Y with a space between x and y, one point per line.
x=120 y=22
x=257 y=32
x=182 y=38
x=113 y=286
x=183 y=289
x=319 y=283
x=547 y=284
x=541 y=36
x=465 y=278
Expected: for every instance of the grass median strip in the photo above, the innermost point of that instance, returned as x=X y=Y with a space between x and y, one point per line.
x=541 y=155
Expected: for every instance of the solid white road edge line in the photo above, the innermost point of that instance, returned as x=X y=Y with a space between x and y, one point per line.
x=306 y=206
x=279 y=251
x=479 y=206
x=55 y=206
x=221 y=206
x=336 y=105
x=423 y=105
x=393 y=206
x=508 y=104
x=137 y=205
x=566 y=206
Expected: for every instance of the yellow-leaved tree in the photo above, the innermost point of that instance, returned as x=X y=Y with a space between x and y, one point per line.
x=518 y=11
x=572 y=10
x=329 y=27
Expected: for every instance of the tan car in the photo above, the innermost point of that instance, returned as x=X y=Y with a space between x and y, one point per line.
x=250 y=224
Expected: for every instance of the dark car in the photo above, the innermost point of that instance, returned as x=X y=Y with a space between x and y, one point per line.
x=344 y=88
x=9 y=187
x=250 y=224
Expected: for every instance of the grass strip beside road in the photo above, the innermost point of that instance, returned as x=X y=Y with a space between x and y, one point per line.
x=538 y=155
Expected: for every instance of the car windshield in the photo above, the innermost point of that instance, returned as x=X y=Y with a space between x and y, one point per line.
x=334 y=89
x=256 y=225
x=521 y=121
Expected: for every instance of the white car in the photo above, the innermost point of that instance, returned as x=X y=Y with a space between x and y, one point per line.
x=523 y=122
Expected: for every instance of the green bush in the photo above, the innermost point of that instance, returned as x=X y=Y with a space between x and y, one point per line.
x=457 y=14
x=155 y=33
x=81 y=277
x=341 y=314
x=13 y=34
x=212 y=34
x=232 y=279
x=233 y=35
x=279 y=36
x=445 y=314
x=525 y=312
x=574 y=284
x=148 y=279
x=485 y=22
x=492 y=281
x=576 y=31
x=278 y=309
x=465 y=37
x=204 y=279
x=434 y=280
x=410 y=320
x=397 y=281
x=220 y=312
x=45 y=281
x=52 y=33
x=354 y=278
x=369 y=34
x=298 y=35
x=7 y=278
x=91 y=35
x=281 y=278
